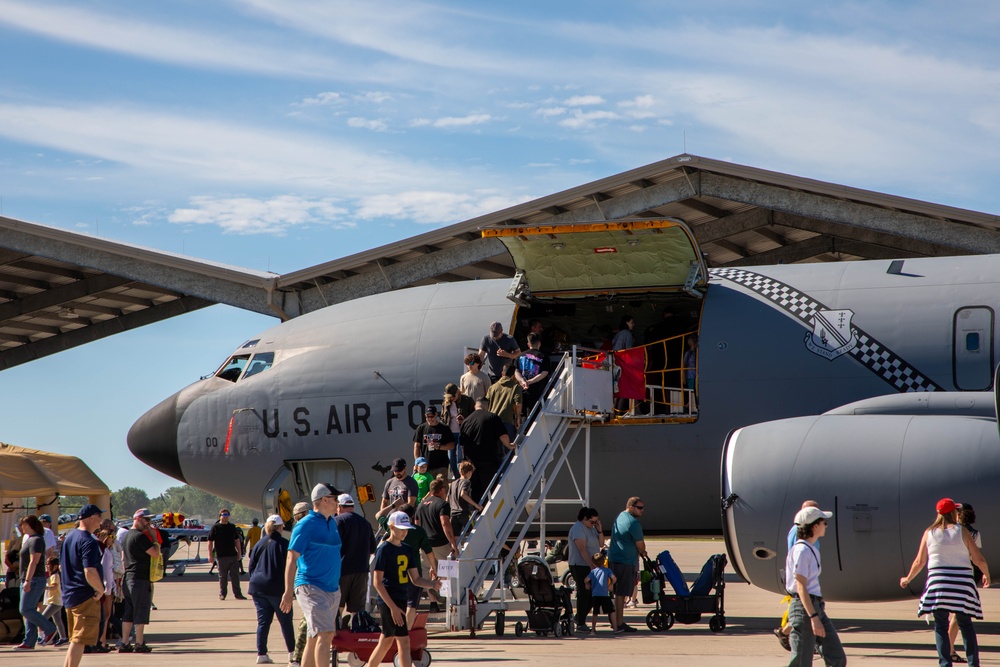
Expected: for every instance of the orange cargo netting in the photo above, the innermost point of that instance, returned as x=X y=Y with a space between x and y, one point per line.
x=653 y=372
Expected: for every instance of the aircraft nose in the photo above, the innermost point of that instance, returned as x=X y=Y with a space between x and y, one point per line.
x=153 y=438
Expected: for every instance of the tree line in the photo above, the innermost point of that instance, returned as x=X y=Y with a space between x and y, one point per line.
x=184 y=499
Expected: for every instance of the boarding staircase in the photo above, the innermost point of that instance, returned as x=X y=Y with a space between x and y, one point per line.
x=579 y=392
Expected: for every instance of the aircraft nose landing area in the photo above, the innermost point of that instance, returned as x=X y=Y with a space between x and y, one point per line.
x=153 y=438
x=192 y=626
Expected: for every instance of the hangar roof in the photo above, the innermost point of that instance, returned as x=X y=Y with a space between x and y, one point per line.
x=59 y=289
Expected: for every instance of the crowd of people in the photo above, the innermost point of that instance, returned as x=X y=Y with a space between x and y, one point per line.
x=950 y=550
x=328 y=560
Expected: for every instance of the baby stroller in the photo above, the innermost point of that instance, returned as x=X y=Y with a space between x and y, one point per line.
x=550 y=609
x=686 y=605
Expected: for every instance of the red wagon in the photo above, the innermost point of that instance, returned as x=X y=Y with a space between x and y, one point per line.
x=359 y=645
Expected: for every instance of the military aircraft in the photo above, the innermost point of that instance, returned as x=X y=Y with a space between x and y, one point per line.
x=335 y=395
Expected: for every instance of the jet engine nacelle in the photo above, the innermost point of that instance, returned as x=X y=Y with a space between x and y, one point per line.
x=881 y=474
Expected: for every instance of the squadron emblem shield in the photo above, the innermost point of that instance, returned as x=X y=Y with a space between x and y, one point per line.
x=832 y=334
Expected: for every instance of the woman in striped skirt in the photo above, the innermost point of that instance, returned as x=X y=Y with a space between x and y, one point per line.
x=947 y=549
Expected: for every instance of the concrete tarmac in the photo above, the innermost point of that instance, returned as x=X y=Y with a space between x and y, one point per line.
x=193 y=627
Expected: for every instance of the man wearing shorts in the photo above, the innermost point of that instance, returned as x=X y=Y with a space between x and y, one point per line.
x=357 y=546
x=627 y=544
x=139 y=548
x=82 y=586
x=395 y=569
x=312 y=572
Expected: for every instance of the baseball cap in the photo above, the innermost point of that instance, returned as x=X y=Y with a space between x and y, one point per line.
x=45 y=517
x=399 y=465
x=431 y=410
x=810 y=515
x=322 y=490
x=400 y=520
x=421 y=461
x=276 y=519
x=345 y=499
x=945 y=505
x=88 y=511
x=301 y=508
x=141 y=513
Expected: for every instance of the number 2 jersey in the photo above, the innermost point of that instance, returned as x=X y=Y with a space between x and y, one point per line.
x=395 y=562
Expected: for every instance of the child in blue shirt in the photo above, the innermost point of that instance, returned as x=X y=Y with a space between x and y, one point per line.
x=599 y=582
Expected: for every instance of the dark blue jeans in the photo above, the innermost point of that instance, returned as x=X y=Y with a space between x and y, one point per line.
x=33 y=619
x=267 y=608
x=968 y=637
x=455 y=455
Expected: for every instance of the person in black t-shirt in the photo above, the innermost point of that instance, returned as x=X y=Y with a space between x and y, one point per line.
x=532 y=373
x=434 y=516
x=395 y=568
x=483 y=434
x=433 y=440
x=224 y=538
x=138 y=549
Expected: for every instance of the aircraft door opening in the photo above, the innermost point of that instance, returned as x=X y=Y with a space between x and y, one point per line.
x=293 y=482
x=972 y=351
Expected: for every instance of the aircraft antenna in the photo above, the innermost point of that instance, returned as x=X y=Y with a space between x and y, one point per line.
x=382 y=378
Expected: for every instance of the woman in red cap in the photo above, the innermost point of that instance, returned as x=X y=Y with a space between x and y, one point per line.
x=946 y=549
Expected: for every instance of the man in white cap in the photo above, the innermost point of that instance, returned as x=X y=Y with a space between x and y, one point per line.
x=312 y=574
x=357 y=545
x=807 y=614
x=395 y=568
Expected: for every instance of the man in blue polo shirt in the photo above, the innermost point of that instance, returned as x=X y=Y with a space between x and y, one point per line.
x=312 y=571
x=82 y=586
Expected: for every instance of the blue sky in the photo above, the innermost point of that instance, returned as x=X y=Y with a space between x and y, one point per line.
x=278 y=135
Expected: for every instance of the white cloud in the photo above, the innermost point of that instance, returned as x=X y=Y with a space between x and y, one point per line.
x=201 y=149
x=413 y=33
x=638 y=102
x=584 y=100
x=322 y=100
x=247 y=215
x=549 y=112
x=374 y=124
x=582 y=120
x=375 y=96
x=164 y=43
x=452 y=121
x=460 y=121
x=434 y=207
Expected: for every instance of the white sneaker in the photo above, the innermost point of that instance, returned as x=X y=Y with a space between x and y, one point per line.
x=292 y=662
x=264 y=660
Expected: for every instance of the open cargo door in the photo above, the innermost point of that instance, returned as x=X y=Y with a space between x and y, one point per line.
x=594 y=258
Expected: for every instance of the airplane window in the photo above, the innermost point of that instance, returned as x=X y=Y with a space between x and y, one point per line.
x=232 y=369
x=972 y=342
x=260 y=363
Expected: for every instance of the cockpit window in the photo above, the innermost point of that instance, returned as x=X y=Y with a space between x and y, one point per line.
x=260 y=363
x=232 y=368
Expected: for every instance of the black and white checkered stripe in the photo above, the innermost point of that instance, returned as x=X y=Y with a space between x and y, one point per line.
x=872 y=354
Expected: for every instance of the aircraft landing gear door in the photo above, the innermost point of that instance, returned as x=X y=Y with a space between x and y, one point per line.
x=293 y=483
x=972 y=353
